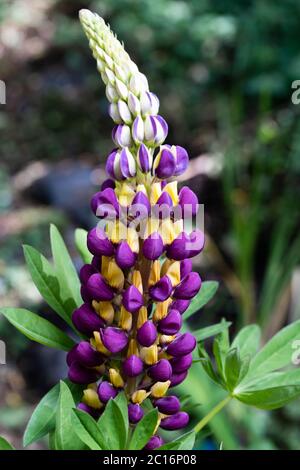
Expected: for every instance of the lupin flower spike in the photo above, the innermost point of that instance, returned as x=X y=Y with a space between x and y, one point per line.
x=127 y=348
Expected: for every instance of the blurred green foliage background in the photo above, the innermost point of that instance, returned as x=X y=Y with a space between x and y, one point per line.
x=223 y=71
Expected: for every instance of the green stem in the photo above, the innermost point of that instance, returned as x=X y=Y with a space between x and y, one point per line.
x=211 y=414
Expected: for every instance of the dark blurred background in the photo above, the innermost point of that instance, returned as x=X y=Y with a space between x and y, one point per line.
x=223 y=71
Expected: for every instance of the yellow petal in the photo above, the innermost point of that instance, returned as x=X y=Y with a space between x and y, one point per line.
x=137 y=280
x=115 y=378
x=105 y=310
x=149 y=355
x=139 y=396
x=141 y=189
x=161 y=310
x=90 y=398
x=97 y=343
x=142 y=317
x=154 y=276
x=167 y=231
x=133 y=348
x=133 y=239
x=173 y=273
x=159 y=389
x=172 y=190
x=155 y=193
x=125 y=321
x=114 y=275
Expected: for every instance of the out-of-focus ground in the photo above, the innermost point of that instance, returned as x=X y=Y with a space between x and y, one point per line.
x=223 y=71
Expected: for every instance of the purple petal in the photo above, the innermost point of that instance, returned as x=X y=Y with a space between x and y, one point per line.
x=182 y=345
x=105 y=204
x=153 y=246
x=135 y=413
x=85 y=355
x=178 y=250
x=114 y=339
x=106 y=391
x=189 y=287
x=182 y=160
x=86 y=320
x=176 y=421
x=147 y=334
x=182 y=363
x=98 y=243
x=186 y=267
x=110 y=164
x=98 y=289
x=161 y=371
x=161 y=290
x=133 y=366
x=85 y=273
x=132 y=299
x=171 y=324
x=81 y=375
x=177 y=379
x=166 y=166
x=144 y=158
x=180 y=305
x=154 y=443
x=125 y=257
x=168 y=405
x=188 y=202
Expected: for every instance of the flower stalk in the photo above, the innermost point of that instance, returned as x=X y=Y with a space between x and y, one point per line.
x=140 y=280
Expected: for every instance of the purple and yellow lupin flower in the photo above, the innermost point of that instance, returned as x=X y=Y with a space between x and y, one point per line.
x=132 y=300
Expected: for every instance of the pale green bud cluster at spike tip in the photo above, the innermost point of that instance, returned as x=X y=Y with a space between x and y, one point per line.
x=140 y=281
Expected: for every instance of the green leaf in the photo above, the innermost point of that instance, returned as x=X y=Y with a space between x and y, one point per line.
x=37 y=328
x=65 y=269
x=144 y=430
x=5 y=445
x=220 y=349
x=247 y=340
x=207 y=365
x=212 y=330
x=232 y=368
x=112 y=423
x=66 y=438
x=45 y=279
x=207 y=291
x=185 y=442
x=80 y=242
x=272 y=391
x=122 y=403
x=88 y=431
x=277 y=353
x=42 y=420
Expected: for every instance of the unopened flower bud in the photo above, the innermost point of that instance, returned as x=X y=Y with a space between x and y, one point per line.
x=176 y=421
x=156 y=130
x=106 y=391
x=121 y=135
x=135 y=413
x=161 y=371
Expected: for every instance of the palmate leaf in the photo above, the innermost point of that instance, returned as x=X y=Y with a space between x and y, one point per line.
x=207 y=291
x=80 y=242
x=37 y=328
x=212 y=330
x=277 y=353
x=65 y=436
x=5 y=445
x=144 y=430
x=272 y=391
x=44 y=277
x=65 y=270
x=247 y=340
x=42 y=421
